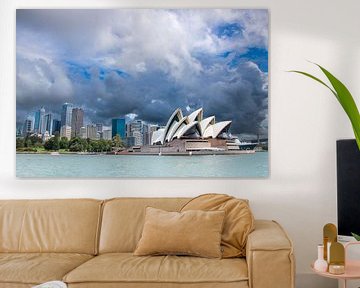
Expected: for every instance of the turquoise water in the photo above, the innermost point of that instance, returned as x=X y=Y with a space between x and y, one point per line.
x=97 y=166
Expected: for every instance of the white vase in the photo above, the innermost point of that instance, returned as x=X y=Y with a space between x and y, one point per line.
x=320 y=264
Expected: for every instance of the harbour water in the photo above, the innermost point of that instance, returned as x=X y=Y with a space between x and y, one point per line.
x=111 y=166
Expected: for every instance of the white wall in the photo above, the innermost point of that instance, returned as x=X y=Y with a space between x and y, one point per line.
x=305 y=120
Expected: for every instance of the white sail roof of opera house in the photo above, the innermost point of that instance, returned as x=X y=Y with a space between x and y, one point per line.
x=190 y=126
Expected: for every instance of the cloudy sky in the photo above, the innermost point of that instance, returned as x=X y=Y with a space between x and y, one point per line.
x=145 y=63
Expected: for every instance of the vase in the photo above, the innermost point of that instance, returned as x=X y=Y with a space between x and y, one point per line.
x=320 y=264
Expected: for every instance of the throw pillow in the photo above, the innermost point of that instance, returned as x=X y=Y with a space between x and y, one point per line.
x=196 y=233
x=239 y=220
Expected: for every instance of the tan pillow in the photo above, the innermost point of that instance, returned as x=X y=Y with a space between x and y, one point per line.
x=239 y=220
x=196 y=233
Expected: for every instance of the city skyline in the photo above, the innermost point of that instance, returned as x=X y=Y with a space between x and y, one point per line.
x=216 y=59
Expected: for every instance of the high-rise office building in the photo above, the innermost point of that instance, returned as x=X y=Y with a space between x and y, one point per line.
x=77 y=121
x=138 y=138
x=56 y=127
x=48 y=123
x=106 y=134
x=37 y=121
x=28 y=126
x=118 y=127
x=39 y=125
x=99 y=127
x=65 y=131
x=66 y=114
x=146 y=134
x=83 y=133
x=91 y=132
x=137 y=131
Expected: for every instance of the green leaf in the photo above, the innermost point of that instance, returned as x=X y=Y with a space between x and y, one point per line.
x=356 y=236
x=344 y=97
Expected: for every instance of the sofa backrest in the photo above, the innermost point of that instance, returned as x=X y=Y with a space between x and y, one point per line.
x=67 y=226
x=123 y=220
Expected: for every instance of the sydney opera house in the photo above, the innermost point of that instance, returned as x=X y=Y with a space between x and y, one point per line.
x=194 y=133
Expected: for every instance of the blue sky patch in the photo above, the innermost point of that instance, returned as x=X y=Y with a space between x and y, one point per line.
x=228 y=30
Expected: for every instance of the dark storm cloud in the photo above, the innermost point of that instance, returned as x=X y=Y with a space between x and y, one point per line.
x=112 y=63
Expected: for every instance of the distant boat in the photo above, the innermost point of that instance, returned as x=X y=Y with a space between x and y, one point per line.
x=55 y=153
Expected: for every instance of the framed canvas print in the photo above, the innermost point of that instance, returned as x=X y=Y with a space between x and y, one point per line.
x=142 y=93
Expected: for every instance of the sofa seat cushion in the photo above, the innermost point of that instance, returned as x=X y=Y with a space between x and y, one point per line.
x=127 y=268
x=36 y=268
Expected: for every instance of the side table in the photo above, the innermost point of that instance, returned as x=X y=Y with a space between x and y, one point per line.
x=352 y=268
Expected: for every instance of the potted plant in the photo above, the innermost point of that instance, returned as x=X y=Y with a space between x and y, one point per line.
x=344 y=97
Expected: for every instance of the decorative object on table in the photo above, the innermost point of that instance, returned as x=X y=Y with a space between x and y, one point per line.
x=52 y=284
x=343 y=270
x=337 y=258
x=344 y=97
x=329 y=236
x=320 y=264
x=152 y=82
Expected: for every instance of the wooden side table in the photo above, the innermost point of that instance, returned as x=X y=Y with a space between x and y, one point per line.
x=352 y=268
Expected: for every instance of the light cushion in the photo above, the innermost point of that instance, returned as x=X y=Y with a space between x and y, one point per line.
x=193 y=232
x=36 y=268
x=238 y=223
x=123 y=218
x=159 y=271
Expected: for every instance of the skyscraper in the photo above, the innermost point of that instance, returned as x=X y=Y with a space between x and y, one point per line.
x=118 y=127
x=99 y=127
x=48 y=123
x=56 y=127
x=39 y=126
x=42 y=123
x=37 y=121
x=65 y=131
x=66 y=114
x=91 y=132
x=28 y=126
x=77 y=121
x=137 y=131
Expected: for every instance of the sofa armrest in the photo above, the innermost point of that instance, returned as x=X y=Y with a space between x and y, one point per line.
x=269 y=256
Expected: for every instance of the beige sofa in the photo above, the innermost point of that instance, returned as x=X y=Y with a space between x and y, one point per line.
x=89 y=243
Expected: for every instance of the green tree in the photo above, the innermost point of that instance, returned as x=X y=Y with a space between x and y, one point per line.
x=78 y=145
x=117 y=141
x=20 y=143
x=52 y=144
x=33 y=141
x=64 y=143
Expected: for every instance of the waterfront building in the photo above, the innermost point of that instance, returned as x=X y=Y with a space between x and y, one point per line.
x=136 y=128
x=28 y=126
x=56 y=127
x=127 y=134
x=66 y=114
x=83 y=133
x=39 y=125
x=91 y=132
x=118 y=127
x=193 y=126
x=99 y=127
x=48 y=123
x=145 y=133
x=106 y=134
x=65 y=131
x=77 y=121
x=138 y=138
x=129 y=141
